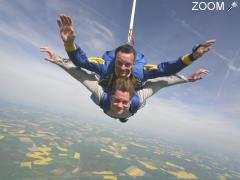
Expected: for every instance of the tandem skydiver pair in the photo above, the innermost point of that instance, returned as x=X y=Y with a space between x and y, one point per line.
x=123 y=80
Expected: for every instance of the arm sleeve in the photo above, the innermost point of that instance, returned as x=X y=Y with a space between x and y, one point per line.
x=80 y=59
x=166 y=68
x=87 y=79
x=152 y=86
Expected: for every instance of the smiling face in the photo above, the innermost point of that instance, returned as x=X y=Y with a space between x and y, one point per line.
x=122 y=92
x=124 y=63
x=124 y=60
x=120 y=101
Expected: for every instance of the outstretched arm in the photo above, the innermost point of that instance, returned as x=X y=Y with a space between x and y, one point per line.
x=88 y=80
x=64 y=63
x=152 y=86
x=75 y=53
x=201 y=49
x=67 y=31
x=172 y=67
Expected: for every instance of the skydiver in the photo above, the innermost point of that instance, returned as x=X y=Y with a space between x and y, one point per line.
x=124 y=61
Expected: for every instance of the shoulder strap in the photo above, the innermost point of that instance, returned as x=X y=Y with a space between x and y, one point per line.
x=135 y=104
x=107 y=80
x=105 y=101
x=123 y=120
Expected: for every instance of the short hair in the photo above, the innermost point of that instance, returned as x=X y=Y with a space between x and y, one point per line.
x=123 y=84
x=126 y=48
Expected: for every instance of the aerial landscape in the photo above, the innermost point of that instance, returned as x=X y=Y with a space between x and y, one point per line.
x=37 y=144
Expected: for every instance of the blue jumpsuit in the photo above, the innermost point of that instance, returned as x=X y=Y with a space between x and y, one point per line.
x=80 y=59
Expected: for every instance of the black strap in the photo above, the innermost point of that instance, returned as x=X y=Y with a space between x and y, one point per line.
x=123 y=120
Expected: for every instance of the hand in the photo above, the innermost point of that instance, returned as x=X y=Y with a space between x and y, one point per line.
x=198 y=75
x=205 y=47
x=53 y=57
x=67 y=32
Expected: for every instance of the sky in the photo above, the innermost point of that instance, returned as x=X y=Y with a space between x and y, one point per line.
x=205 y=112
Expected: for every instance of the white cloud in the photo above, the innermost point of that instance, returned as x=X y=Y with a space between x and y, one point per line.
x=102 y=30
x=24 y=75
x=193 y=123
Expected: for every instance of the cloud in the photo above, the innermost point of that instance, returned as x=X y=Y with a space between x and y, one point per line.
x=231 y=68
x=193 y=123
x=229 y=62
x=96 y=37
x=42 y=29
x=25 y=77
x=50 y=88
x=101 y=29
x=213 y=50
x=190 y=28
